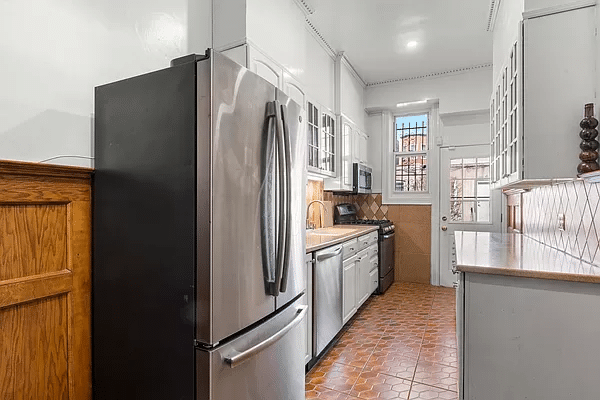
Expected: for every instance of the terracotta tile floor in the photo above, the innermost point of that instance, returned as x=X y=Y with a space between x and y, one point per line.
x=400 y=345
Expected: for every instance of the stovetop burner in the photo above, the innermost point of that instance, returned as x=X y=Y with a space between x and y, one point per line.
x=345 y=214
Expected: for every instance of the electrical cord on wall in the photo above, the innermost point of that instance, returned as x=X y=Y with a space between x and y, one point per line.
x=56 y=157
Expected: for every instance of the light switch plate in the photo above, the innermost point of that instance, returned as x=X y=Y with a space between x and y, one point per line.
x=562 y=224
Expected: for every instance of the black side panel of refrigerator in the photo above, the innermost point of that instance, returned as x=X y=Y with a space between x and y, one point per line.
x=144 y=237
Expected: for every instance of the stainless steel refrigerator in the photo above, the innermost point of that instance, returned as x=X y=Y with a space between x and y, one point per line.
x=199 y=241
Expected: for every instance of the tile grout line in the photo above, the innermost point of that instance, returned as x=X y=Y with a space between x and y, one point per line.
x=426 y=384
x=420 y=348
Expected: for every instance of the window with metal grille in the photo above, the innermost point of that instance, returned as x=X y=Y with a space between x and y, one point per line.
x=411 y=145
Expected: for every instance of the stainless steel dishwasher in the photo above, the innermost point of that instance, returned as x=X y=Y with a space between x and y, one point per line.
x=327 y=296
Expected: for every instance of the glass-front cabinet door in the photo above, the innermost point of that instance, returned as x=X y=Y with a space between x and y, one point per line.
x=313 y=137
x=322 y=136
x=328 y=144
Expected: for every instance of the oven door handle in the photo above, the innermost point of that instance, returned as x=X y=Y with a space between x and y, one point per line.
x=389 y=235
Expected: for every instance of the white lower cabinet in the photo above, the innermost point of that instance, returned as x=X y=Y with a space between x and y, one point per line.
x=360 y=273
x=362 y=277
x=308 y=261
x=349 y=289
x=373 y=276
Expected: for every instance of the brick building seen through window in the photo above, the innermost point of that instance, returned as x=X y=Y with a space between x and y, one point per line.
x=411 y=145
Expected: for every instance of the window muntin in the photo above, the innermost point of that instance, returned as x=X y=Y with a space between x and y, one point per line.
x=313 y=135
x=411 y=142
x=328 y=143
x=470 y=190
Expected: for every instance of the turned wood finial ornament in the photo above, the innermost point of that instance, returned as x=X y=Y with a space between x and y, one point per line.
x=589 y=146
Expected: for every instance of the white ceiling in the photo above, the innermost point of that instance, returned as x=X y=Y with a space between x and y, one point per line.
x=451 y=34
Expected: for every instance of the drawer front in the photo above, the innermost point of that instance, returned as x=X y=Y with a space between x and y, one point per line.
x=350 y=248
x=373 y=250
x=365 y=241
x=373 y=280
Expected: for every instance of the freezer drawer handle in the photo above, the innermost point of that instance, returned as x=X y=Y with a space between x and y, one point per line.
x=329 y=255
x=254 y=350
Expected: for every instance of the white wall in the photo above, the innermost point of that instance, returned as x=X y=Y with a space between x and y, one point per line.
x=463 y=110
x=462 y=129
x=54 y=53
x=467 y=91
x=318 y=75
x=229 y=28
x=277 y=28
x=375 y=124
x=506 y=32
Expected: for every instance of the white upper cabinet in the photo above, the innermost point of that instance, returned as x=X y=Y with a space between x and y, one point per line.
x=361 y=144
x=265 y=67
x=294 y=89
x=322 y=140
x=342 y=182
x=534 y=128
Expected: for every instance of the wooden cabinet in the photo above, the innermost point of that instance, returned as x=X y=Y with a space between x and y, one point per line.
x=45 y=342
x=538 y=99
x=308 y=261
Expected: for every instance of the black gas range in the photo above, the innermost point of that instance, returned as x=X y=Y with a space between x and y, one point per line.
x=346 y=214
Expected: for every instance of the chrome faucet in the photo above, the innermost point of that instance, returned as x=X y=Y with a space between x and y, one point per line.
x=309 y=225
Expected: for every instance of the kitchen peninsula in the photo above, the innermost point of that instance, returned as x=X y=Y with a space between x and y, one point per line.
x=527 y=320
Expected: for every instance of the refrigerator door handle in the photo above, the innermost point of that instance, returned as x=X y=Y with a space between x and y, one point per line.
x=245 y=355
x=288 y=193
x=270 y=157
x=282 y=226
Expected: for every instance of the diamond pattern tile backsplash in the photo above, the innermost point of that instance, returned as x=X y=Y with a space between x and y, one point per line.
x=369 y=206
x=579 y=201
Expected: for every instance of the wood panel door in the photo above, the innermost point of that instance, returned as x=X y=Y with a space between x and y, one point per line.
x=45 y=245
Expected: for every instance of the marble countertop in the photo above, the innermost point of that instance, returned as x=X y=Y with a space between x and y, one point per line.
x=513 y=254
x=318 y=239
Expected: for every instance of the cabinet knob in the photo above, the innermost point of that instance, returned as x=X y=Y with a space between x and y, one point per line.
x=444 y=228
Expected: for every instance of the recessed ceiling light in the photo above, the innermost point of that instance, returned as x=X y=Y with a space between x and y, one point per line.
x=412 y=44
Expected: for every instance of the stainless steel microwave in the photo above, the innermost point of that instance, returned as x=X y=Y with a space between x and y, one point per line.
x=362 y=178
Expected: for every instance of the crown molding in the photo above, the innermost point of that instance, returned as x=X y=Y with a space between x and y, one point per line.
x=494 y=6
x=431 y=75
x=353 y=71
x=575 y=5
x=306 y=8
x=320 y=39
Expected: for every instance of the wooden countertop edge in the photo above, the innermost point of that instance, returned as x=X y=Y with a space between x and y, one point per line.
x=557 y=276
x=333 y=242
x=9 y=167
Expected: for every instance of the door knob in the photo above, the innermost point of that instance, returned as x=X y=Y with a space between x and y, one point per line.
x=444 y=228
